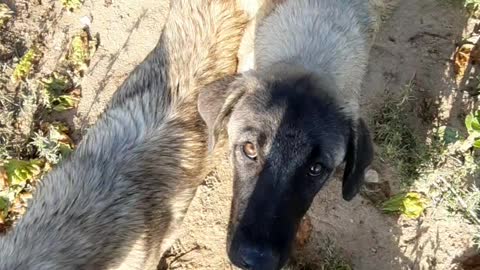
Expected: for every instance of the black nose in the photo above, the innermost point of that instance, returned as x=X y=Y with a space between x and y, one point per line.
x=255 y=258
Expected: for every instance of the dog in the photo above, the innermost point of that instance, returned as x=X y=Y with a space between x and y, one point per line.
x=291 y=119
x=116 y=202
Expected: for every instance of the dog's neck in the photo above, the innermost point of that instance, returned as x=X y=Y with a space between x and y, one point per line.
x=327 y=38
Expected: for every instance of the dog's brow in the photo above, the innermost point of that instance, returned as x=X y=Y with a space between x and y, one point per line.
x=321 y=155
x=250 y=129
x=259 y=134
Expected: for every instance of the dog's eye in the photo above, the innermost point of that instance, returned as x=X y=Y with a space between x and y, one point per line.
x=315 y=170
x=250 y=150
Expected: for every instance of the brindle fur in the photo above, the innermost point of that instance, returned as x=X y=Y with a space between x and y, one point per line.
x=116 y=202
x=296 y=100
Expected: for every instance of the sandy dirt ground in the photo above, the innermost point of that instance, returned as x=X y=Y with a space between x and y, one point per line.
x=417 y=43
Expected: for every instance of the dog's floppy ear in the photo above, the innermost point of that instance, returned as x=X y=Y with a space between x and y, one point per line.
x=359 y=156
x=215 y=103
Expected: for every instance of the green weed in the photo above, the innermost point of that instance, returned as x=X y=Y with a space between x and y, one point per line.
x=59 y=93
x=72 y=4
x=410 y=204
x=399 y=145
x=82 y=48
x=54 y=144
x=25 y=65
x=5 y=14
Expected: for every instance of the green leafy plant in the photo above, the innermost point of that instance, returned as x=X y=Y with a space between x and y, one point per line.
x=58 y=92
x=57 y=83
x=82 y=48
x=25 y=65
x=472 y=123
x=21 y=171
x=4 y=203
x=472 y=7
x=410 y=204
x=472 y=3
x=448 y=135
x=54 y=144
x=5 y=14
x=64 y=103
x=72 y=4
x=58 y=133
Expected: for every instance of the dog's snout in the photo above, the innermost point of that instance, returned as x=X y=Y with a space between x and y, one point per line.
x=256 y=258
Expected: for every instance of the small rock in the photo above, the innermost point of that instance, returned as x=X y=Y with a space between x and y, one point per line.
x=376 y=189
x=372 y=177
x=85 y=21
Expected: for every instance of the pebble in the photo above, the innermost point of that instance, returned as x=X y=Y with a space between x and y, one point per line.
x=372 y=177
x=85 y=21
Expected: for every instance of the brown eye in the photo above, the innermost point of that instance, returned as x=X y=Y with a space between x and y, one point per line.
x=315 y=170
x=250 y=150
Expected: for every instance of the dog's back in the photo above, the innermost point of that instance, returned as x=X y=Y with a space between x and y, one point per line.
x=115 y=203
x=306 y=32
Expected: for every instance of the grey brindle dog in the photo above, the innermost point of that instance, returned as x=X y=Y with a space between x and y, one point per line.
x=115 y=203
x=292 y=120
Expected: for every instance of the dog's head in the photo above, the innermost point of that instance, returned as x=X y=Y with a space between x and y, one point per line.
x=286 y=137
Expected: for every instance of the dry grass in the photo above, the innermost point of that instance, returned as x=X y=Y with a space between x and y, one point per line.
x=5 y=14
x=30 y=143
x=330 y=259
x=444 y=167
x=399 y=144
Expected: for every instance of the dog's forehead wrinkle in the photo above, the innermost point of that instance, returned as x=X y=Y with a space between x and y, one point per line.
x=286 y=155
x=254 y=110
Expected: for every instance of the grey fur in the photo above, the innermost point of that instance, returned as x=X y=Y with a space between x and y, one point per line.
x=116 y=202
x=299 y=106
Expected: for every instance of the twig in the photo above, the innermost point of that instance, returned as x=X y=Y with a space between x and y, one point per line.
x=179 y=256
x=437 y=202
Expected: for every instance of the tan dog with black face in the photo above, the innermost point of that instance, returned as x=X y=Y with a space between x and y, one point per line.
x=292 y=118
